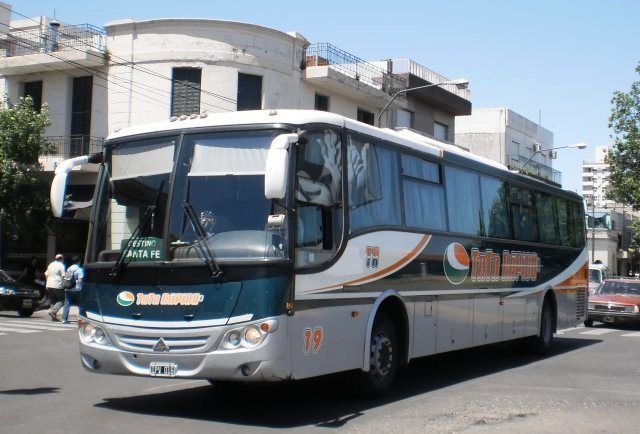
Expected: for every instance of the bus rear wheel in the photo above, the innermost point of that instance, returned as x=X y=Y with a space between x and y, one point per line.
x=384 y=359
x=542 y=343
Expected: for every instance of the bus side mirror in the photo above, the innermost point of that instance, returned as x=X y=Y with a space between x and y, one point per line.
x=276 y=176
x=59 y=183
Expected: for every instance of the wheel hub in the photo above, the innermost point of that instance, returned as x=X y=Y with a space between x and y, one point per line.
x=381 y=356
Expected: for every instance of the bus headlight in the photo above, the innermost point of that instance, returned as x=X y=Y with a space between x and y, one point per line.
x=90 y=333
x=249 y=336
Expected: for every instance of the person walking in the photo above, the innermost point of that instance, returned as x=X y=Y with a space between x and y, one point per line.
x=55 y=285
x=73 y=282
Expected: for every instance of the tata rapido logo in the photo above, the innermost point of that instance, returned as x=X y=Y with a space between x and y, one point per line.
x=456 y=263
x=125 y=298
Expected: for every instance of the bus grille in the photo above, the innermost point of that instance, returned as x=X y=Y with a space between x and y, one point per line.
x=187 y=344
x=581 y=304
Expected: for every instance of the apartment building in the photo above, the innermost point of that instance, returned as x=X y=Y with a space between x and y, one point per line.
x=97 y=80
x=505 y=136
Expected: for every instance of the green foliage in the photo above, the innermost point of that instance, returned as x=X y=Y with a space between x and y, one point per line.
x=23 y=188
x=624 y=156
x=635 y=237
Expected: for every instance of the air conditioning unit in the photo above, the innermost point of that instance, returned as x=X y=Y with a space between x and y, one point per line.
x=536 y=147
x=553 y=155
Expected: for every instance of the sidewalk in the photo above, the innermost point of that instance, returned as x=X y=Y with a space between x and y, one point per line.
x=44 y=313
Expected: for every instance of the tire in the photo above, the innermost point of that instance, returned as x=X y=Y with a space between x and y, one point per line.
x=588 y=323
x=384 y=359
x=542 y=343
x=25 y=312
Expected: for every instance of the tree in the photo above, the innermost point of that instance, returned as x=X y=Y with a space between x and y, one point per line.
x=23 y=189
x=624 y=156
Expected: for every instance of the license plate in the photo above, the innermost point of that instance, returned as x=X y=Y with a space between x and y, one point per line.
x=27 y=302
x=161 y=369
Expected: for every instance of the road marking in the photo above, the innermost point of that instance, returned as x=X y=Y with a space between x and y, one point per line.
x=51 y=324
x=32 y=326
x=597 y=332
x=7 y=329
x=632 y=335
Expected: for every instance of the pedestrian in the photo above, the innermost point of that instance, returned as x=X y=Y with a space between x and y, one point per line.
x=29 y=276
x=55 y=285
x=73 y=282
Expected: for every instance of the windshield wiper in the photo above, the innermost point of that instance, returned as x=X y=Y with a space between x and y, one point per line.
x=201 y=240
x=119 y=266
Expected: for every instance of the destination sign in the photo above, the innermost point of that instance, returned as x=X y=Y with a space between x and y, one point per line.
x=144 y=249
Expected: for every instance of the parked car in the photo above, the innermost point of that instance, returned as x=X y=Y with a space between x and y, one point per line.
x=615 y=301
x=597 y=274
x=19 y=296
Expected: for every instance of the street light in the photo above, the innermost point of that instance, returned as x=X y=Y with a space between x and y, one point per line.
x=537 y=150
x=460 y=83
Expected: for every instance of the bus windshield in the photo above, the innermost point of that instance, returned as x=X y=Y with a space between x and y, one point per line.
x=219 y=177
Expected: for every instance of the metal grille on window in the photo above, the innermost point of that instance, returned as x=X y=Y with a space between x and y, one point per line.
x=185 y=91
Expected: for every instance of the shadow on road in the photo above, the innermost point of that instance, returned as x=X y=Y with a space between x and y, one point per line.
x=34 y=391
x=328 y=401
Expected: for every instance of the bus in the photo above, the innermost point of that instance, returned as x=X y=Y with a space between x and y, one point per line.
x=286 y=244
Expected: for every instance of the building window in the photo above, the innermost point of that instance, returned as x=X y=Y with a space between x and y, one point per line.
x=404 y=118
x=185 y=91
x=249 y=92
x=81 y=115
x=322 y=103
x=365 y=116
x=34 y=90
x=440 y=131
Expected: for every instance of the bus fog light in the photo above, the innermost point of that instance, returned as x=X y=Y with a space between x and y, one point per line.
x=252 y=335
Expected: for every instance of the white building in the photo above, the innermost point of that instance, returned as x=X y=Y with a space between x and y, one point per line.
x=608 y=222
x=96 y=81
x=509 y=138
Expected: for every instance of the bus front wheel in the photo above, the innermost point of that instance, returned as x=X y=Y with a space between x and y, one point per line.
x=384 y=358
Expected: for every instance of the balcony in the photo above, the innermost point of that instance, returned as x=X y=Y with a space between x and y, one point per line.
x=335 y=69
x=535 y=169
x=68 y=147
x=37 y=50
x=447 y=97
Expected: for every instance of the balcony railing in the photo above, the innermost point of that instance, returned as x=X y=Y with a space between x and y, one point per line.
x=407 y=66
x=34 y=41
x=534 y=168
x=72 y=146
x=324 y=54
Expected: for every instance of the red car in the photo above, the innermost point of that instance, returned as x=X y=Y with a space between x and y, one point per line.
x=615 y=301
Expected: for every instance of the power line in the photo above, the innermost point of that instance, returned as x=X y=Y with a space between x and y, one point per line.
x=127 y=62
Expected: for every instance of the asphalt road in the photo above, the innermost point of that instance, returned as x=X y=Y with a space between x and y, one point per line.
x=591 y=383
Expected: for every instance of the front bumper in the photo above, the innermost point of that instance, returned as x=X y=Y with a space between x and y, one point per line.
x=269 y=361
x=613 y=317
x=12 y=302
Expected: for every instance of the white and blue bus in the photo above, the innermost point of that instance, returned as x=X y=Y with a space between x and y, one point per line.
x=274 y=245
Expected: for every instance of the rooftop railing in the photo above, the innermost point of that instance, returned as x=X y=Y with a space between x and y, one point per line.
x=325 y=54
x=38 y=40
x=408 y=66
x=534 y=168
x=72 y=146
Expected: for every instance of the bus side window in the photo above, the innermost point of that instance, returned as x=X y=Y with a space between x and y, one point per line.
x=318 y=197
x=523 y=212
x=374 y=185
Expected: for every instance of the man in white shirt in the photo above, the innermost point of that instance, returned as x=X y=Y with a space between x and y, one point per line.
x=55 y=286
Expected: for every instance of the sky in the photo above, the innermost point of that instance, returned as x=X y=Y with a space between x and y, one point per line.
x=555 y=60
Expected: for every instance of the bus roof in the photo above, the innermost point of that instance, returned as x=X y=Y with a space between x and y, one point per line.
x=403 y=137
